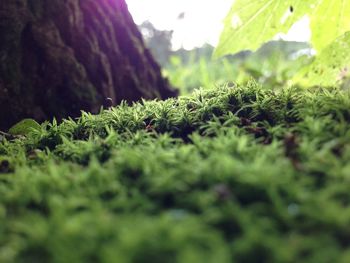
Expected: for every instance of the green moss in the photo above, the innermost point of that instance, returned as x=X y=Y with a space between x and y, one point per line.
x=235 y=174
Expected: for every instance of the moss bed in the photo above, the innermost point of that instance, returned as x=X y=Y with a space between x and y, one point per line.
x=235 y=174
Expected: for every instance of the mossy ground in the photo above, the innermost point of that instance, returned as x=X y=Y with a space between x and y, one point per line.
x=235 y=174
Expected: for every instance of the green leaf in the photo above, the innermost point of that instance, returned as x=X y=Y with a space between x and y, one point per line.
x=330 y=67
x=330 y=19
x=24 y=127
x=251 y=23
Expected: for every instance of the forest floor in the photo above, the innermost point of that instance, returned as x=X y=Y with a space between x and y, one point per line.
x=235 y=174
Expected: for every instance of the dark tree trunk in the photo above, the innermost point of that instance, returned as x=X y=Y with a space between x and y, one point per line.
x=58 y=57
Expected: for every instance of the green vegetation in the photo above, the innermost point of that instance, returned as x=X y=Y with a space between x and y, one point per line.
x=249 y=24
x=235 y=174
x=273 y=66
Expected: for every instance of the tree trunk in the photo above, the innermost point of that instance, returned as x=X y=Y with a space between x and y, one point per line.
x=58 y=57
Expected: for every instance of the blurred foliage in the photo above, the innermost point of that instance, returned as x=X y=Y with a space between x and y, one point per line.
x=273 y=66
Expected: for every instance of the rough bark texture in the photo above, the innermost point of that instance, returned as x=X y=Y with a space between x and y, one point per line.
x=58 y=57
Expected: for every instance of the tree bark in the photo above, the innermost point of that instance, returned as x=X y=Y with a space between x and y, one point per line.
x=58 y=57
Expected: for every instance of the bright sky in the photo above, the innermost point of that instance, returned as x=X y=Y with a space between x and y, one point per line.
x=202 y=22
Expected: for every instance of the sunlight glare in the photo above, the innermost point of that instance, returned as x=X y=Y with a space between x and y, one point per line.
x=202 y=21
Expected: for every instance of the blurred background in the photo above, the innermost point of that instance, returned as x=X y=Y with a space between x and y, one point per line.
x=182 y=35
